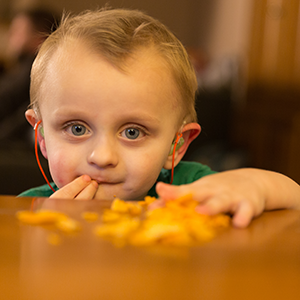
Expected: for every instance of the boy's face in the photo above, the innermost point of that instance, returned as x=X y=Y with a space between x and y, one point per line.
x=115 y=127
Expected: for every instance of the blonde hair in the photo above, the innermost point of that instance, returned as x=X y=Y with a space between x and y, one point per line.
x=116 y=34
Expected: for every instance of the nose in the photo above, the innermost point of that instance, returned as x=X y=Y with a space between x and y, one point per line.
x=103 y=154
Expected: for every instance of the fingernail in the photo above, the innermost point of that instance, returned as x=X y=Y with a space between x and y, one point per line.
x=86 y=178
x=95 y=183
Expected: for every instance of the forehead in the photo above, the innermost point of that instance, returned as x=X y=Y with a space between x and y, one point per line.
x=77 y=70
x=72 y=53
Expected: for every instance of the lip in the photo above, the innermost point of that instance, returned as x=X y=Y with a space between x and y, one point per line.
x=106 y=182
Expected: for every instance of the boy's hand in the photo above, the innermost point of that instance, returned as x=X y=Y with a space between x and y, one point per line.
x=82 y=188
x=245 y=193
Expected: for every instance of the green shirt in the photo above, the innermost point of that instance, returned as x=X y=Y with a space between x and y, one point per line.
x=185 y=172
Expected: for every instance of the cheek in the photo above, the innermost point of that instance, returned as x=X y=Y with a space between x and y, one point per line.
x=147 y=166
x=61 y=167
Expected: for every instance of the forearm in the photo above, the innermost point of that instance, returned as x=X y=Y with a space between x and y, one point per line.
x=279 y=190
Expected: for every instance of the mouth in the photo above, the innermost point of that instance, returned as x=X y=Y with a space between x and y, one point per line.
x=101 y=182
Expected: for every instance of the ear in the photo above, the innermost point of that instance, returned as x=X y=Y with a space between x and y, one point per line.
x=33 y=119
x=189 y=133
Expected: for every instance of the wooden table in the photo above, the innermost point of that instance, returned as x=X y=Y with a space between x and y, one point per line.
x=260 y=262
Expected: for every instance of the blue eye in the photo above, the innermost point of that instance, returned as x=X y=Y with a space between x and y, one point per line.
x=78 y=130
x=132 y=133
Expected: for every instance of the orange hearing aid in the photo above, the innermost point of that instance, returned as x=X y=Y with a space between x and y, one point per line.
x=36 y=128
x=178 y=145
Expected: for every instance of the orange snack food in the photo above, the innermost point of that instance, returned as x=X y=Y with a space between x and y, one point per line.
x=48 y=217
x=175 y=224
x=68 y=225
x=40 y=217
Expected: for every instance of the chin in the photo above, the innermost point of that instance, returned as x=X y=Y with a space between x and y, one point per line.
x=105 y=196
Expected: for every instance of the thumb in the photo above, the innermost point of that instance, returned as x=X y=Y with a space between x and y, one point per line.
x=169 y=192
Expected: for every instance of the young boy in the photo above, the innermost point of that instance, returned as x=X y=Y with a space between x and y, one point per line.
x=114 y=89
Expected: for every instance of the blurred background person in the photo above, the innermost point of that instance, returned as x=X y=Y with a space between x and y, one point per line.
x=18 y=168
x=28 y=29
